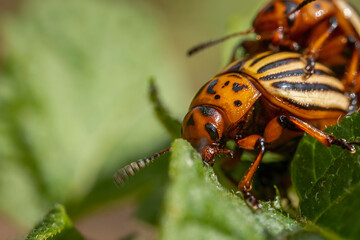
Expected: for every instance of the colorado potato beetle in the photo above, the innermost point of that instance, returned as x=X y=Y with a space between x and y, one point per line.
x=323 y=30
x=262 y=102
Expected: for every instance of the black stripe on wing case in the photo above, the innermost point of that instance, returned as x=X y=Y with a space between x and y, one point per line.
x=308 y=106
x=277 y=64
x=304 y=87
x=256 y=60
x=291 y=73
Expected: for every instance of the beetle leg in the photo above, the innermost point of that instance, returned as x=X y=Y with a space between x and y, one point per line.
x=326 y=139
x=351 y=77
x=313 y=49
x=288 y=45
x=251 y=142
x=210 y=151
x=273 y=132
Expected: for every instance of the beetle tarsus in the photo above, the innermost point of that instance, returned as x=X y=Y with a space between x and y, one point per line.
x=310 y=67
x=344 y=144
x=251 y=200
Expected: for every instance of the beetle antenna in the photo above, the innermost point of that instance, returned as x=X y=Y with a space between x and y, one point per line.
x=300 y=6
x=216 y=41
x=123 y=174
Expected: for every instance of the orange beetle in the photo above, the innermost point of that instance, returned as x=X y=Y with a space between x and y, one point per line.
x=261 y=102
x=324 y=30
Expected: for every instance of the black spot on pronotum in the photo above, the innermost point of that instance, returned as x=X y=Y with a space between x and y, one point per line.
x=289 y=6
x=206 y=111
x=317 y=6
x=217 y=97
x=237 y=103
x=237 y=87
x=269 y=8
x=190 y=121
x=210 y=88
x=212 y=131
x=226 y=83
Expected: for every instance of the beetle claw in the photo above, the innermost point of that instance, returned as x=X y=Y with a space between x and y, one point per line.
x=345 y=145
x=251 y=200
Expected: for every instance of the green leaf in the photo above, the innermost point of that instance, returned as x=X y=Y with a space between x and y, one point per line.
x=172 y=125
x=198 y=207
x=327 y=180
x=73 y=98
x=56 y=224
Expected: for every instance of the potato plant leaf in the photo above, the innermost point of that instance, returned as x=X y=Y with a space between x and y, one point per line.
x=327 y=181
x=55 y=225
x=172 y=125
x=198 y=207
x=73 y=98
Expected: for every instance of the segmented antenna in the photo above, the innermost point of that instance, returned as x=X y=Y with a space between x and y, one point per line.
x=123 y=174
x=216 y=41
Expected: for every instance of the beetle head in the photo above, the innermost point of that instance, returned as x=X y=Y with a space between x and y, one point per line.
x=203 y=126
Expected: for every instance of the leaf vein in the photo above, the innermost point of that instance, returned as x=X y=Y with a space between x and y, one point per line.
x=337 y=200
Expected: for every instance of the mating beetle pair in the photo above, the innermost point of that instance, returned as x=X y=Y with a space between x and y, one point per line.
x=268 y=98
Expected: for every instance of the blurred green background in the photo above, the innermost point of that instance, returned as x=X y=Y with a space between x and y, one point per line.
x=74 y=102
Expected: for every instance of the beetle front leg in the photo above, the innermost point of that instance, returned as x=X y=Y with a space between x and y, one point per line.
x=245 y=183
x=209 y=153
x=251 y=142
x=278 y=40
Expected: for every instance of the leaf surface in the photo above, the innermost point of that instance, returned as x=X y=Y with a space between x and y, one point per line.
x=73 y=98
x=327 y=180
x=56 y=224
x=198 y=207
